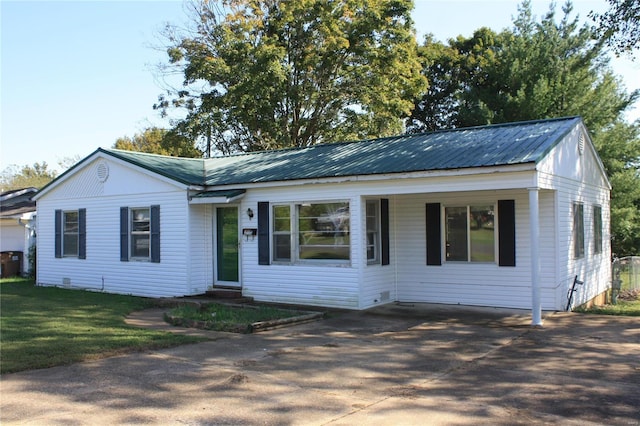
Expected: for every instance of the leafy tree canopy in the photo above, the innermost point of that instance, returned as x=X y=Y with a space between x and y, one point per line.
x=159 y=141
x=16 y=177
x=265 y=74
x=620 y=25
x=539 y=69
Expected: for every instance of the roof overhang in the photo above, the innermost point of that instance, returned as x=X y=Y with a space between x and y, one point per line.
x=217 y=197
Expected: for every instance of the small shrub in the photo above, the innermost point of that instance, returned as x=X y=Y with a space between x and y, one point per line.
x=214 y=316
x=31 y=256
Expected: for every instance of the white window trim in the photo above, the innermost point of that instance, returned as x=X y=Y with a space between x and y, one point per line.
x=295 y=246
x=377 y=260
x=443 y=230
x=64 y=233
x=131 y=233
x=597 y=248
x=574 y=232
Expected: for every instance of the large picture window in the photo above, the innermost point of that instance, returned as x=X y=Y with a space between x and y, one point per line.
x=311 y=232
x=470 y=234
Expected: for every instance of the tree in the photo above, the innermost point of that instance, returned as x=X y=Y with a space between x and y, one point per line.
x=266 y=74
x=16 y=177
x=541 y=70
x=159 y=141
x=620 y=25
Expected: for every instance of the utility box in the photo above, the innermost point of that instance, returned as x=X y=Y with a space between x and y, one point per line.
x=10 y=264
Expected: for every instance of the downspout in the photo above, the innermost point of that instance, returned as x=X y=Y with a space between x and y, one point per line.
x=534 y=230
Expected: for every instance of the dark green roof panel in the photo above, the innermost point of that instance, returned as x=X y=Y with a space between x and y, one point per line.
x=184 y=170
x=486 y=146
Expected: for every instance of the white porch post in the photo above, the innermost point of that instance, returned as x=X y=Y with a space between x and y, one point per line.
x=534 y=228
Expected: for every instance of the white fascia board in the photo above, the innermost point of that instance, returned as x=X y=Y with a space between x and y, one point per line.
x=23 y=191
x=394 y=176
x=67 y=174
x=595 y=154
x=215 y=200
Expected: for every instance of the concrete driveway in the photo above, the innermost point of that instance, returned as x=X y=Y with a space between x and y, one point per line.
x=418 y=364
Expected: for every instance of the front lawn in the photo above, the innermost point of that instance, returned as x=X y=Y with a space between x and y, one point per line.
x=44 y=326
x=623 y=307
x=628 y=304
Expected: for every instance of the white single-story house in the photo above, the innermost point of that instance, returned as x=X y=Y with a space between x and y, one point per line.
x=501 y=215
x=17 y=226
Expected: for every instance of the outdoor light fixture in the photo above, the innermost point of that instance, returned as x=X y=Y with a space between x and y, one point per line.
x=250 y=213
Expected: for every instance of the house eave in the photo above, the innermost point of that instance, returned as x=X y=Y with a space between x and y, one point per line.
x=509 y=168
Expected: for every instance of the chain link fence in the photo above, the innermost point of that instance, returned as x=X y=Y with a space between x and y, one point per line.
x=626 y=276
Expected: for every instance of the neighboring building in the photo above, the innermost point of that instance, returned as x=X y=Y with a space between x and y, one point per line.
x=17 y=220
x=503 y=215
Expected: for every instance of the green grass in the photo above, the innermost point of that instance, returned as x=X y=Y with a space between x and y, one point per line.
x=44 y=326
x=226 y=318
x=627 y=307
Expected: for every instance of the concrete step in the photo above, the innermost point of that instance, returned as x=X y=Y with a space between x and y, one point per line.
x=227 y=293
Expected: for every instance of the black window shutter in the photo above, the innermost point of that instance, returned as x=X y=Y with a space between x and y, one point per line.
x=263 y=233
x=506 y=233
x=155 y=234
x=82 y=233
x=58 y=233
x=124 y=234
x=434 y=238
x=384 y=230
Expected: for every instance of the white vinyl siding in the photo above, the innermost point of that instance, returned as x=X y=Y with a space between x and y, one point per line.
x=201 y=251
x=102 y=269
x=578 y=178
x=188 y=252
x=328 y=283
x=472 y=283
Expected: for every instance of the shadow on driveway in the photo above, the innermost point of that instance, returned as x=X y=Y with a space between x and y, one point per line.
x=397 y=364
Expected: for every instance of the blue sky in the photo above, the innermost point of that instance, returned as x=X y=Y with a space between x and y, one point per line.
x=77 y=75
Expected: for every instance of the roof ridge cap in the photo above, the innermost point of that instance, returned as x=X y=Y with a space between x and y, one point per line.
x=494 y=125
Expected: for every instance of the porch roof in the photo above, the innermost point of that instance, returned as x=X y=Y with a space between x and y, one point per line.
x=484 y=146
x=222 y=196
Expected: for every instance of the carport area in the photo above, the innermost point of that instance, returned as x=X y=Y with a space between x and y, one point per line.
x=396 y=364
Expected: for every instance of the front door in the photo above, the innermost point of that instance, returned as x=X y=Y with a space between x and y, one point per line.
x=227 y=259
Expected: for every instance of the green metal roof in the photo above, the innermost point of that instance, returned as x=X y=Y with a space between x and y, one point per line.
x=485 y=146
x=228 y=193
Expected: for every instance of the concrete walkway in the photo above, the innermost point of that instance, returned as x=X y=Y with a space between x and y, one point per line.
x=412 y=364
